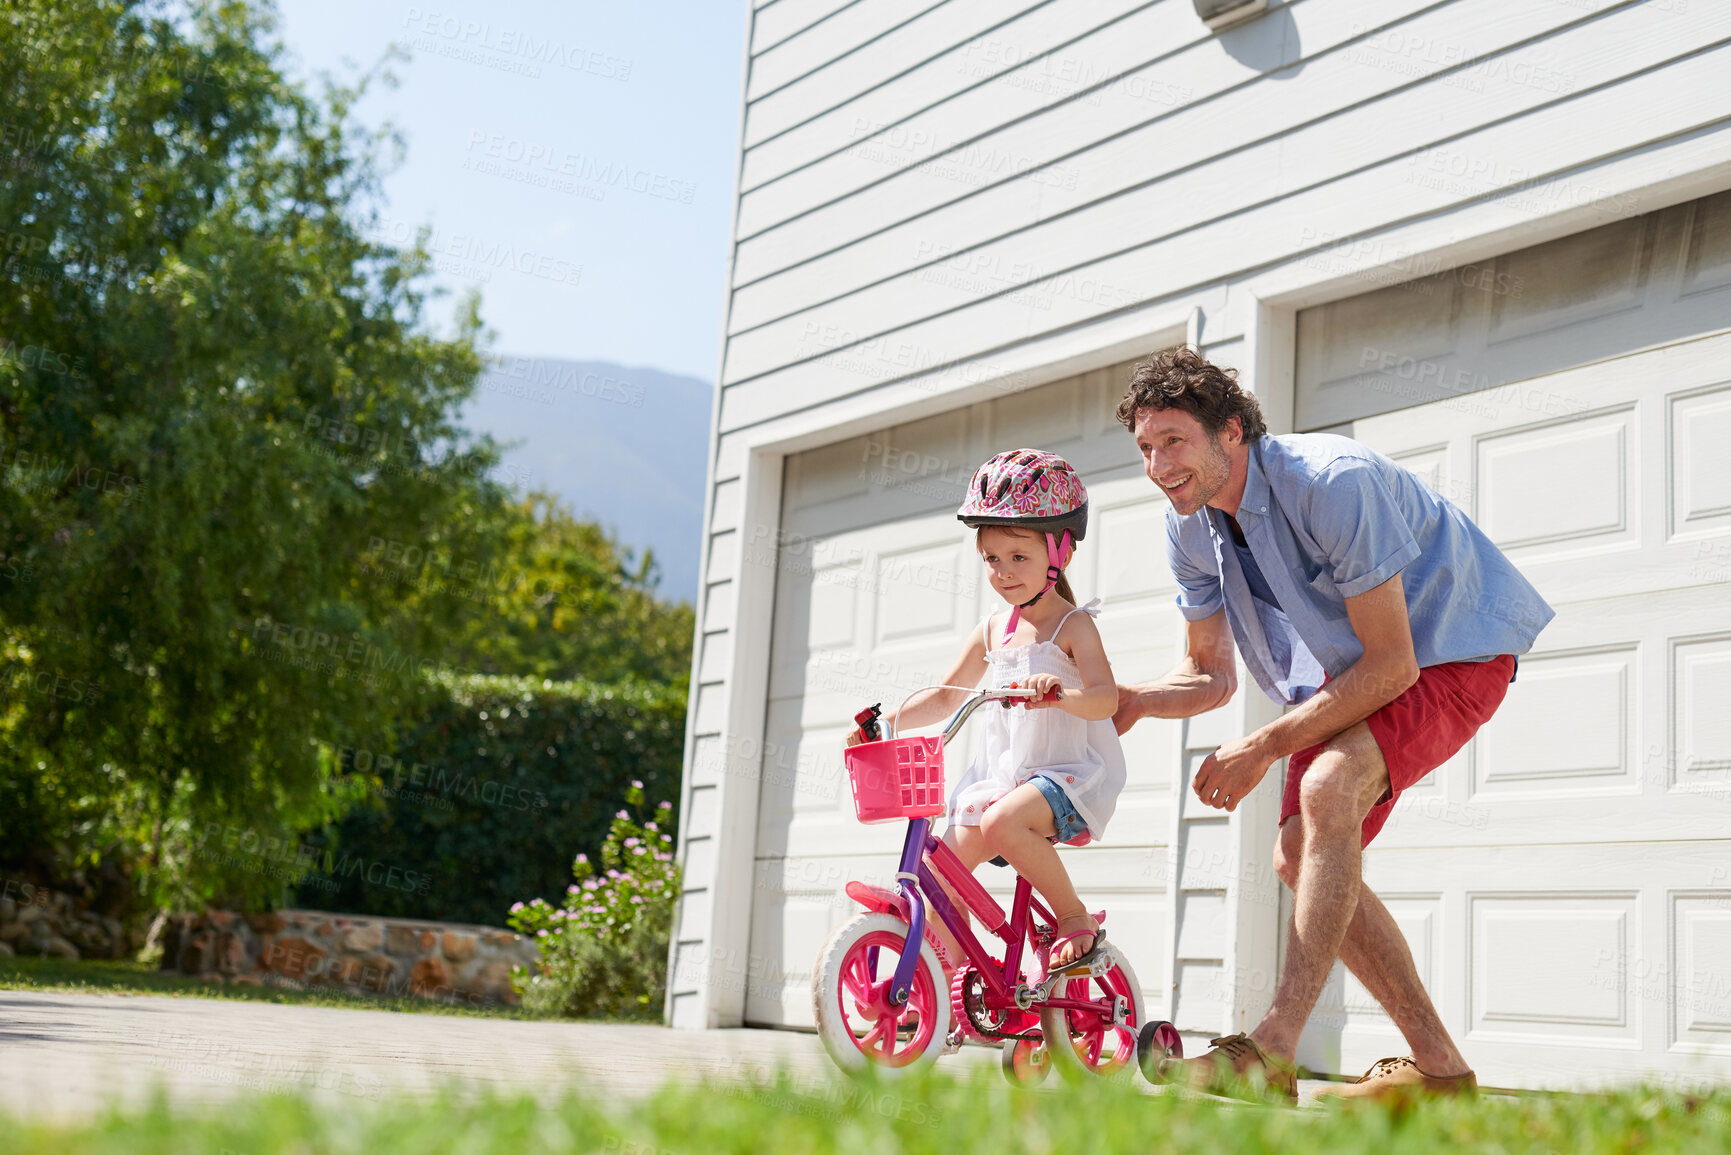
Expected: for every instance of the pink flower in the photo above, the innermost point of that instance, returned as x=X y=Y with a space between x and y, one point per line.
x=631 y=842
x=622 y=814
x=582 y=858
x=515 y=907
x=637 y=783
x=664 y=806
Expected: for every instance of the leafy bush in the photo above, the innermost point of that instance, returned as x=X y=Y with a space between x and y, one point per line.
x=604 y=950
x=489 y=797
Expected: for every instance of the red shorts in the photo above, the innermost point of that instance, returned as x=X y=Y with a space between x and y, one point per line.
x=1420 y=730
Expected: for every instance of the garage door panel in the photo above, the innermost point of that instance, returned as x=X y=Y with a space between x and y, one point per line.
x=1565 y=483
x=1578 y=278
x=1541 y=961
x=919 y=593
x=1569 y=728
x=1701 y=725
x=1707 y=246
x=1132 y=557
x=1700 y=444
x=1038 y=418
x=1700 y=989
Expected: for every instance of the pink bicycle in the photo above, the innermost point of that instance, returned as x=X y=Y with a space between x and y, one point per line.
x=879 y=993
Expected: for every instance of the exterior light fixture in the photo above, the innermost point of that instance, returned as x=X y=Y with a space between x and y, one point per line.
x=1222 y=14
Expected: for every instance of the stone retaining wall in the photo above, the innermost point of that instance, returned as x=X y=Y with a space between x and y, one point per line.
x=49 y=924
x=378 y=956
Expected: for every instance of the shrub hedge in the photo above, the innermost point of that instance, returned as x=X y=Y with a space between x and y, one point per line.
x=489 y=799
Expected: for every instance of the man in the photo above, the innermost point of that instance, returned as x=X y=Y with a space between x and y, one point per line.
x=1387 y=622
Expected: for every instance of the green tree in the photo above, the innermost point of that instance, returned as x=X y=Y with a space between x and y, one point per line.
x=555 y=599
x=216 y=394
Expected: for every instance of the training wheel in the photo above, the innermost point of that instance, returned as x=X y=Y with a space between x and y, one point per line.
x=1155 y=1043
x=1026 y=1062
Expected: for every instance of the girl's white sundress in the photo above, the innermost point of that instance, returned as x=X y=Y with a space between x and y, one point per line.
x=1082 y=757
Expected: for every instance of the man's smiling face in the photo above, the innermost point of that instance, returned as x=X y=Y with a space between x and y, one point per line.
x=1190 y=467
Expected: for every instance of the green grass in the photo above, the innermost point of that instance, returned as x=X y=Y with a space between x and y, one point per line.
x=90 y=977
x=937 y=1115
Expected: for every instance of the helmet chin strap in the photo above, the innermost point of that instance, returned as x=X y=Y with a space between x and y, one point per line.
x=1057 y=557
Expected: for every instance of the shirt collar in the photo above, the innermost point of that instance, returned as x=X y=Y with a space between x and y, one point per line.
x=1255 y=485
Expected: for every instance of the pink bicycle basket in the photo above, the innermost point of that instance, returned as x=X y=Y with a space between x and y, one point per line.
x=896 y=779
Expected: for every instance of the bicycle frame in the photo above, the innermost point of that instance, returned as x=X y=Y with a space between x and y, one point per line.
x=920 y=888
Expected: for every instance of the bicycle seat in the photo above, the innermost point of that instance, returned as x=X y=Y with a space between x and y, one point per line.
x=1081 y=839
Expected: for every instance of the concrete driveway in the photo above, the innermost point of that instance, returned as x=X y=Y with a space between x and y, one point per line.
x=67 y=1055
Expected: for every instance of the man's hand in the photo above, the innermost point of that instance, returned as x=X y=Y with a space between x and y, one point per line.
x=1129 y=710
x=1230 y=773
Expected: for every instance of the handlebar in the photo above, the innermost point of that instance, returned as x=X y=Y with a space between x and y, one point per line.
x=978 y=700
x=978 y=697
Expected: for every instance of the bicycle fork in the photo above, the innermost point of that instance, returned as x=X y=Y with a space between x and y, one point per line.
x=908 y=882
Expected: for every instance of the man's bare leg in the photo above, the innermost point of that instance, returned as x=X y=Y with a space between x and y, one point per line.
x=1339 y=789
x=1376 y=953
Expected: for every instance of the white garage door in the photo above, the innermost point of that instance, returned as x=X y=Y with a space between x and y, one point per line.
x=1565 y=882
x=878 y=583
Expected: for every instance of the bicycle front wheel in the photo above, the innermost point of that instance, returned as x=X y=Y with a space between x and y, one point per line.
x=850 y=999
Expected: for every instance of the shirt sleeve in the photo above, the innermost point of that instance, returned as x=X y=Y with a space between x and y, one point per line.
x=1354 y=517
x=1191 y=557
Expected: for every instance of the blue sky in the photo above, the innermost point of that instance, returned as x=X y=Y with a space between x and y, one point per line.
x=574 y=160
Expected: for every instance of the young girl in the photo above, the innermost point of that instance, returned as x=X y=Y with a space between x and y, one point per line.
x=1052 y=767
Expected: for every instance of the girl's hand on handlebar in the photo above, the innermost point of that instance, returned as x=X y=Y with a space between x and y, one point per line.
x=1048 y=691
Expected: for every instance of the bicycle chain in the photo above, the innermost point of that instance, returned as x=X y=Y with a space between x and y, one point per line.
x=971 y=1005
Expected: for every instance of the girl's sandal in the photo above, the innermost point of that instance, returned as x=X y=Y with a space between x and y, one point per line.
x=1079 y=964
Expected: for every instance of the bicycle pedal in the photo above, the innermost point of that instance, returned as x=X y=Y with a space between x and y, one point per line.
x=952 y=1042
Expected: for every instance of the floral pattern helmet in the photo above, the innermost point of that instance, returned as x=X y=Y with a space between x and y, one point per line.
x=1030 y=489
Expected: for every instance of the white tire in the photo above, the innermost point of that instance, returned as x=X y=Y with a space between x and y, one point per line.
x=849 y=1032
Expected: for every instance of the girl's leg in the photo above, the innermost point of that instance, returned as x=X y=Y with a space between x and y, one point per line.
x=1018 y=826
x=970 y=846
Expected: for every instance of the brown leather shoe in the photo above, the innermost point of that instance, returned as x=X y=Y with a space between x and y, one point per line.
x=1400 y=1078
x=1236 y=1067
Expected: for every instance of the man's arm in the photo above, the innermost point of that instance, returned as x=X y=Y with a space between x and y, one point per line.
x=1385 y=671
x=1203 y=680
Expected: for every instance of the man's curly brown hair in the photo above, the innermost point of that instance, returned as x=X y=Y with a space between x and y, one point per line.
x=1179 y=378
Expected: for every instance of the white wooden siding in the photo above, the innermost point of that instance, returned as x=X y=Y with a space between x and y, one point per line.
x=963 y=244
x=951 y=320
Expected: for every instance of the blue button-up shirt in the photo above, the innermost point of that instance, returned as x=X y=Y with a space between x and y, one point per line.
x=1328 y=519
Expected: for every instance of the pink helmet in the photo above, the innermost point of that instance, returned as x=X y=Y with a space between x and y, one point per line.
x=1030 y=489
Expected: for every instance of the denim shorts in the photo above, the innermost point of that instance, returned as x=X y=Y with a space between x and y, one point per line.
x=1069 y=824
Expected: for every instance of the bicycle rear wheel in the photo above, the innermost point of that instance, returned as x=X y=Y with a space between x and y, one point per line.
x=1090 y=1044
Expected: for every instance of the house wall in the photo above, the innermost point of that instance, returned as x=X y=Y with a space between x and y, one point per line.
x=943 y=202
